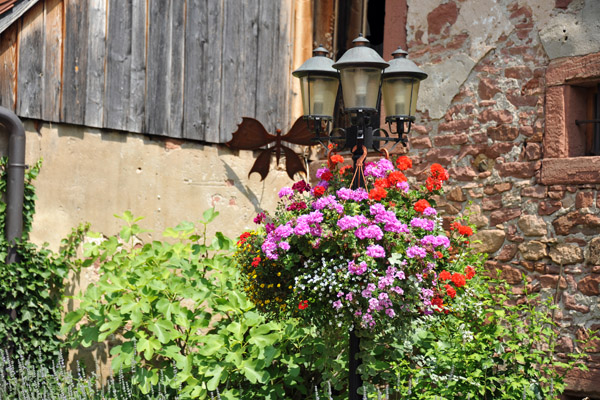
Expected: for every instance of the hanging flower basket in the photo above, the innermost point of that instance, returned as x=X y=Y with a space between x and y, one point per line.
x=333 y=255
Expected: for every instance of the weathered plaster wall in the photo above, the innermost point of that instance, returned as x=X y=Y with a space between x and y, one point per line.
x=88 y=175
x=482 y=115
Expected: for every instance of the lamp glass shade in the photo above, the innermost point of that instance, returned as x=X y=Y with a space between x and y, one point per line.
x=319 y=94
x=360 y=87
x=400 y=95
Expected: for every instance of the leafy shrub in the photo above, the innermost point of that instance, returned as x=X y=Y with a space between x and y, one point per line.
x=31 y=289
x=182 y=320
x=493 y=345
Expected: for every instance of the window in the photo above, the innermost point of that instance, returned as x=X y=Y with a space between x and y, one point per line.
x=572 y=139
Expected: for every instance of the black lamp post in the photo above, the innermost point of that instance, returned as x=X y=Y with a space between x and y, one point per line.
x=364 y=77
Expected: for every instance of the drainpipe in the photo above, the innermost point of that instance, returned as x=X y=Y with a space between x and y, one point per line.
x=16 y=177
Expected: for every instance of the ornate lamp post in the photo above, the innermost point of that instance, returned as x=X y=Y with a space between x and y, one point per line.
x=364 y=77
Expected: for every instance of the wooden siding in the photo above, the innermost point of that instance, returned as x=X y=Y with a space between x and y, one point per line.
x=179 y=68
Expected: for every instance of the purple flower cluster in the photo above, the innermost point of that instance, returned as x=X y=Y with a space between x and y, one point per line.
x=357 y=269
x=369 y=232
x=286 y=192
x=435 y=241
x=416 y=252
x=375 y=251
x=329 y=202
x=423 y=223
x=388 y=218
x=379 y=169
x=350 y=222
x=354 y=195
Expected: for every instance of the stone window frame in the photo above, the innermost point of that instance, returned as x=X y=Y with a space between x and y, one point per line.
x=564 y=162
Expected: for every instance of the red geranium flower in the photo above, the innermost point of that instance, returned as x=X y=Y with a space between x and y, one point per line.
x=256 y=261
x=382 y=182
x=336 y=158
x=433 y=184
x=469 y=271
x=450 y=291
x=318 y=191
x=437 y=301
x=458 y=279
x=303 y=304
x=243 y=238
x=445 y=275
x=421 y=205
x=377 y=194
x=462 y=229
x=395 y=177
x=326 y=176
x=403 y=163
x=438 y=172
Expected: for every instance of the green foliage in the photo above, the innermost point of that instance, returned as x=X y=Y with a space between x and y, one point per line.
x=31 y=289
x=493 y=345
x=181 y=319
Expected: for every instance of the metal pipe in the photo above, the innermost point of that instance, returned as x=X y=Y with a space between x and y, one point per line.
x=16 y=179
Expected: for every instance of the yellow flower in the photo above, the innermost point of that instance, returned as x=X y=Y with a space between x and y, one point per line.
x=262 y=285
x=278 y=285
x=279 y=274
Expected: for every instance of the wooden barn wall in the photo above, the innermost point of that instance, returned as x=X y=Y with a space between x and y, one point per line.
x=179 y=68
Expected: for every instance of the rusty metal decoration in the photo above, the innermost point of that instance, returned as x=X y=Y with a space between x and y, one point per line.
x=252 y=135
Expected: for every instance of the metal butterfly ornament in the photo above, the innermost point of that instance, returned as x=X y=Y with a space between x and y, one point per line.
x=252 y=135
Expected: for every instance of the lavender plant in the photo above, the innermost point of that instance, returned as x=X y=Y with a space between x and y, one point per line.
x=29 y=379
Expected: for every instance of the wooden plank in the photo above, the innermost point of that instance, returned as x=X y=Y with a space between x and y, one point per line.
x=283 y=48
x=52 y=60
x=176 y=69
x=268 y=82
x=239 y=65
x=75 y=63
x=8 y=67
x=196 y=39
x=96 y=55
x=118 y=65
x=212 y=72
x=30 y=83
x=137 y=82
x=157 y=75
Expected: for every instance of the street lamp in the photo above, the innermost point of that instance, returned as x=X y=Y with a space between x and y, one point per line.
x=364 y=77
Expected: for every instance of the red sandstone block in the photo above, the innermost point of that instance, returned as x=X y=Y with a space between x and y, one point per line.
x=450 y=140
x=549 y=281
x=549 y=207
x=503 y=132
x=491 y=202
x=538 y=192
x=441 y=18
x=487 y=88
x=519 y=72
x=590 y=285
x=498 y=116
x=518 y=169
x=584 y=199
x=497 y=188
x=420 y=142
x=462 y=173
x=533 y=151
x=456 y=125
x=503 y=215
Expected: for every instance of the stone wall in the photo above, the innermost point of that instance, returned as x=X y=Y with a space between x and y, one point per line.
x=483 y=116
